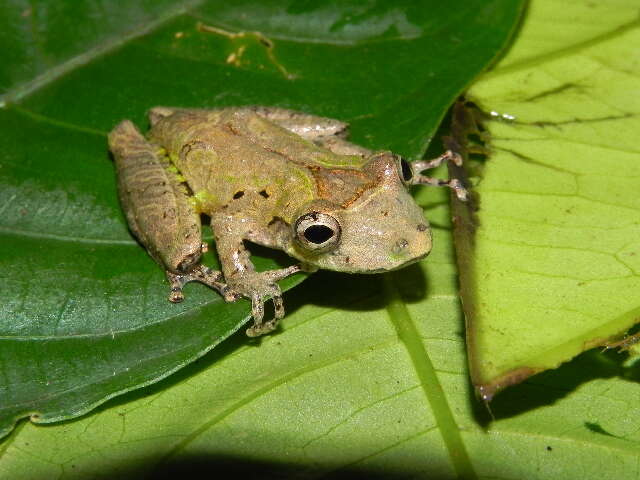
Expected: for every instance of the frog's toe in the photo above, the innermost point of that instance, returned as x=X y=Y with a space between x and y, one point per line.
x=260 y=327
x=215 y=280
x=257 y=312
x=229 y=294
x=278 y=307
x=176 y=282
x=176 y=295
x=201 y=274
x=257 y=308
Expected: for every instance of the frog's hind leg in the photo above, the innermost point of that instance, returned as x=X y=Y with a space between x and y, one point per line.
x=340 y=146
x=307 y=126
x=325 y=132
x=159 y=211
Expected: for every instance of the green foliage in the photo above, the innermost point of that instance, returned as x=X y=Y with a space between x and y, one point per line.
x=556 y=260
x=368 y=375
x=87 y=318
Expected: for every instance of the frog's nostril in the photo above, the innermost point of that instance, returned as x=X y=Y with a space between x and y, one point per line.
x=422 y=227
x=400 y=246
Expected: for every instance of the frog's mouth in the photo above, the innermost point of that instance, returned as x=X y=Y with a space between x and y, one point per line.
x=398 y=266
x=409 y=262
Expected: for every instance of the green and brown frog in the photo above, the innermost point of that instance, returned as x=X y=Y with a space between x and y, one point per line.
x=275 y=177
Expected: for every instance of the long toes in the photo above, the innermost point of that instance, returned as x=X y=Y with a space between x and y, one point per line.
x=455 y=157
x=269 y=326
x=257 y=330
x=257 y=308
x=291 y=270
x=278 y=307
x=176 y=295
x=229 y=294
x=257 y=312
x=273 y=291
x=253 y=331
x=459 y=189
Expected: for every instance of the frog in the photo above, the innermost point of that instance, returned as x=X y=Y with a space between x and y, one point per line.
x=270 y=176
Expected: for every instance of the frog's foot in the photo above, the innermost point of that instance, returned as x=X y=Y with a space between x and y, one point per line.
x=258 y=287
x=202 y=274
x=454 y=184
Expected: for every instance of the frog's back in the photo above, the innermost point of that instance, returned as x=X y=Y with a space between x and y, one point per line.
x=223 y=153
x=183 y=125
x=273 y=137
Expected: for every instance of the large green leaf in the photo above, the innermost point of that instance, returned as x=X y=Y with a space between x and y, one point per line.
x=347 y=389
x=555 y=267
x=84 y=315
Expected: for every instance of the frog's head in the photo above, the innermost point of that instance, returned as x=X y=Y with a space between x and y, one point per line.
x=379 y=228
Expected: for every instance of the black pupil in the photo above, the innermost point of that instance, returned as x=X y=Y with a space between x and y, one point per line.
x=318 y=234
x=407 y=174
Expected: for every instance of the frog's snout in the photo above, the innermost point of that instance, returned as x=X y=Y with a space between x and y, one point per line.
x=413 y=247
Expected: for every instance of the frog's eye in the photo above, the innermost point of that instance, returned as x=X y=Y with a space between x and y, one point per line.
x=406 y=173
x=317 y=231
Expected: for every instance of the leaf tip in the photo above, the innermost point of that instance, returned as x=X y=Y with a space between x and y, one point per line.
x=486 y=391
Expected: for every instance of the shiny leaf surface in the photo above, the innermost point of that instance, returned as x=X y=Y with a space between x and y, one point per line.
x=85 y=315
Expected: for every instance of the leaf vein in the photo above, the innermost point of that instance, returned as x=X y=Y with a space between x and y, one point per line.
x=355 y=412
x=54 y=122
x=64 y=238
x=247 y=399
x=534 y=61
x=382 y=450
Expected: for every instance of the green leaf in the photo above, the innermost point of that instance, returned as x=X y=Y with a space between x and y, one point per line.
x=85 y=316
x=338 y=395
x=555 y=267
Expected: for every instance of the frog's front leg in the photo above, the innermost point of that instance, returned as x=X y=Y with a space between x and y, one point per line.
x=159 y=211
x=418 y=178
x=241 y=277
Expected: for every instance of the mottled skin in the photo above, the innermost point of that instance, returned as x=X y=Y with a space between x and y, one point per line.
x=276 y=177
